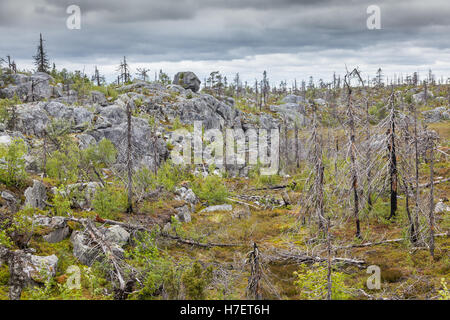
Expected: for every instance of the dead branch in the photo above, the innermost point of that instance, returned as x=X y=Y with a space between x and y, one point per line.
x=369 y=244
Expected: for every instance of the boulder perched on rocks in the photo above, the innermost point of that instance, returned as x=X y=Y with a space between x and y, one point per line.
x=187 y=80
x=190 y=200
x=36 y=196
x=186 y=194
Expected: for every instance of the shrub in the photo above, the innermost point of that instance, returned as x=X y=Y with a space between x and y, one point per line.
x=195 y=281
x=211 y=189
x=170 y=175
x=158 y=271
x=61 y=202
x=63 y=166
x=312 y=283
x=109 y=201
x=12 y=170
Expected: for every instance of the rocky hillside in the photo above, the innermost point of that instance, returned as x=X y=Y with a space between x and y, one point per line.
x=90 y=191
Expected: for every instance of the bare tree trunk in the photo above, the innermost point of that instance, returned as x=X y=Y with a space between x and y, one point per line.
x=392 y=161
x=45 y=155
x=286 y=149
x=129 y=164
x=369 y=171
x=297 y=156
x=417 y=196
x=253 y=287
x=431 y=213
x=329 y=282
x=353 y=161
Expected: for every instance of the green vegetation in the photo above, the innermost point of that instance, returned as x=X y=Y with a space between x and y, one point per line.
x=12 y=170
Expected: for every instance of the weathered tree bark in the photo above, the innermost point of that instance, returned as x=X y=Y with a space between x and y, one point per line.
x=253 y=287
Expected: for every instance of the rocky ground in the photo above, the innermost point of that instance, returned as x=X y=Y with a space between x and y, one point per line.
x=54 y=223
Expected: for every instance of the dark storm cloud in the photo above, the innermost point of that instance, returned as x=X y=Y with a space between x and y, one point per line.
x=164 y=30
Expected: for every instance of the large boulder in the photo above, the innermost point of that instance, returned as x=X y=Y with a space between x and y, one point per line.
x=30 y=88
x=87 y=252
x=292 y=98
x=32 y=119
x=146 y=151
x=420 y=97
x=187 y=80
x=40 y=268
x=36 y=196
x=116 y=234
x=436 y=115
x=58 y=230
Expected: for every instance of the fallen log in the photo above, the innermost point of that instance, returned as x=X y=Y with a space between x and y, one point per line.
x=301 y=257
x=369 y=244
x=428 y=184
x=244 y=203
x=162 y=234
x=98 y=238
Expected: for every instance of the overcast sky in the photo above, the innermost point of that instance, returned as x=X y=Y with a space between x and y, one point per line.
x=288 y=38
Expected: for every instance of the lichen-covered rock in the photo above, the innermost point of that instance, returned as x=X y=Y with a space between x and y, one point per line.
x=116 y=234
x=41 y=268
x=436 y=115
x=58 y=228
x=36 y=196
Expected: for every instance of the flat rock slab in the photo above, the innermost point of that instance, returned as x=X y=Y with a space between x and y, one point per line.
x=220 y=207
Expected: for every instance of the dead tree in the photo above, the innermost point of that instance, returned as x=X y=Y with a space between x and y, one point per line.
x=297 y=156
x=253 y=287
x=329 y=281
x=416 y=180
x=129 y=162
x=393 y=173
x=430 y=145
x=352 y=146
